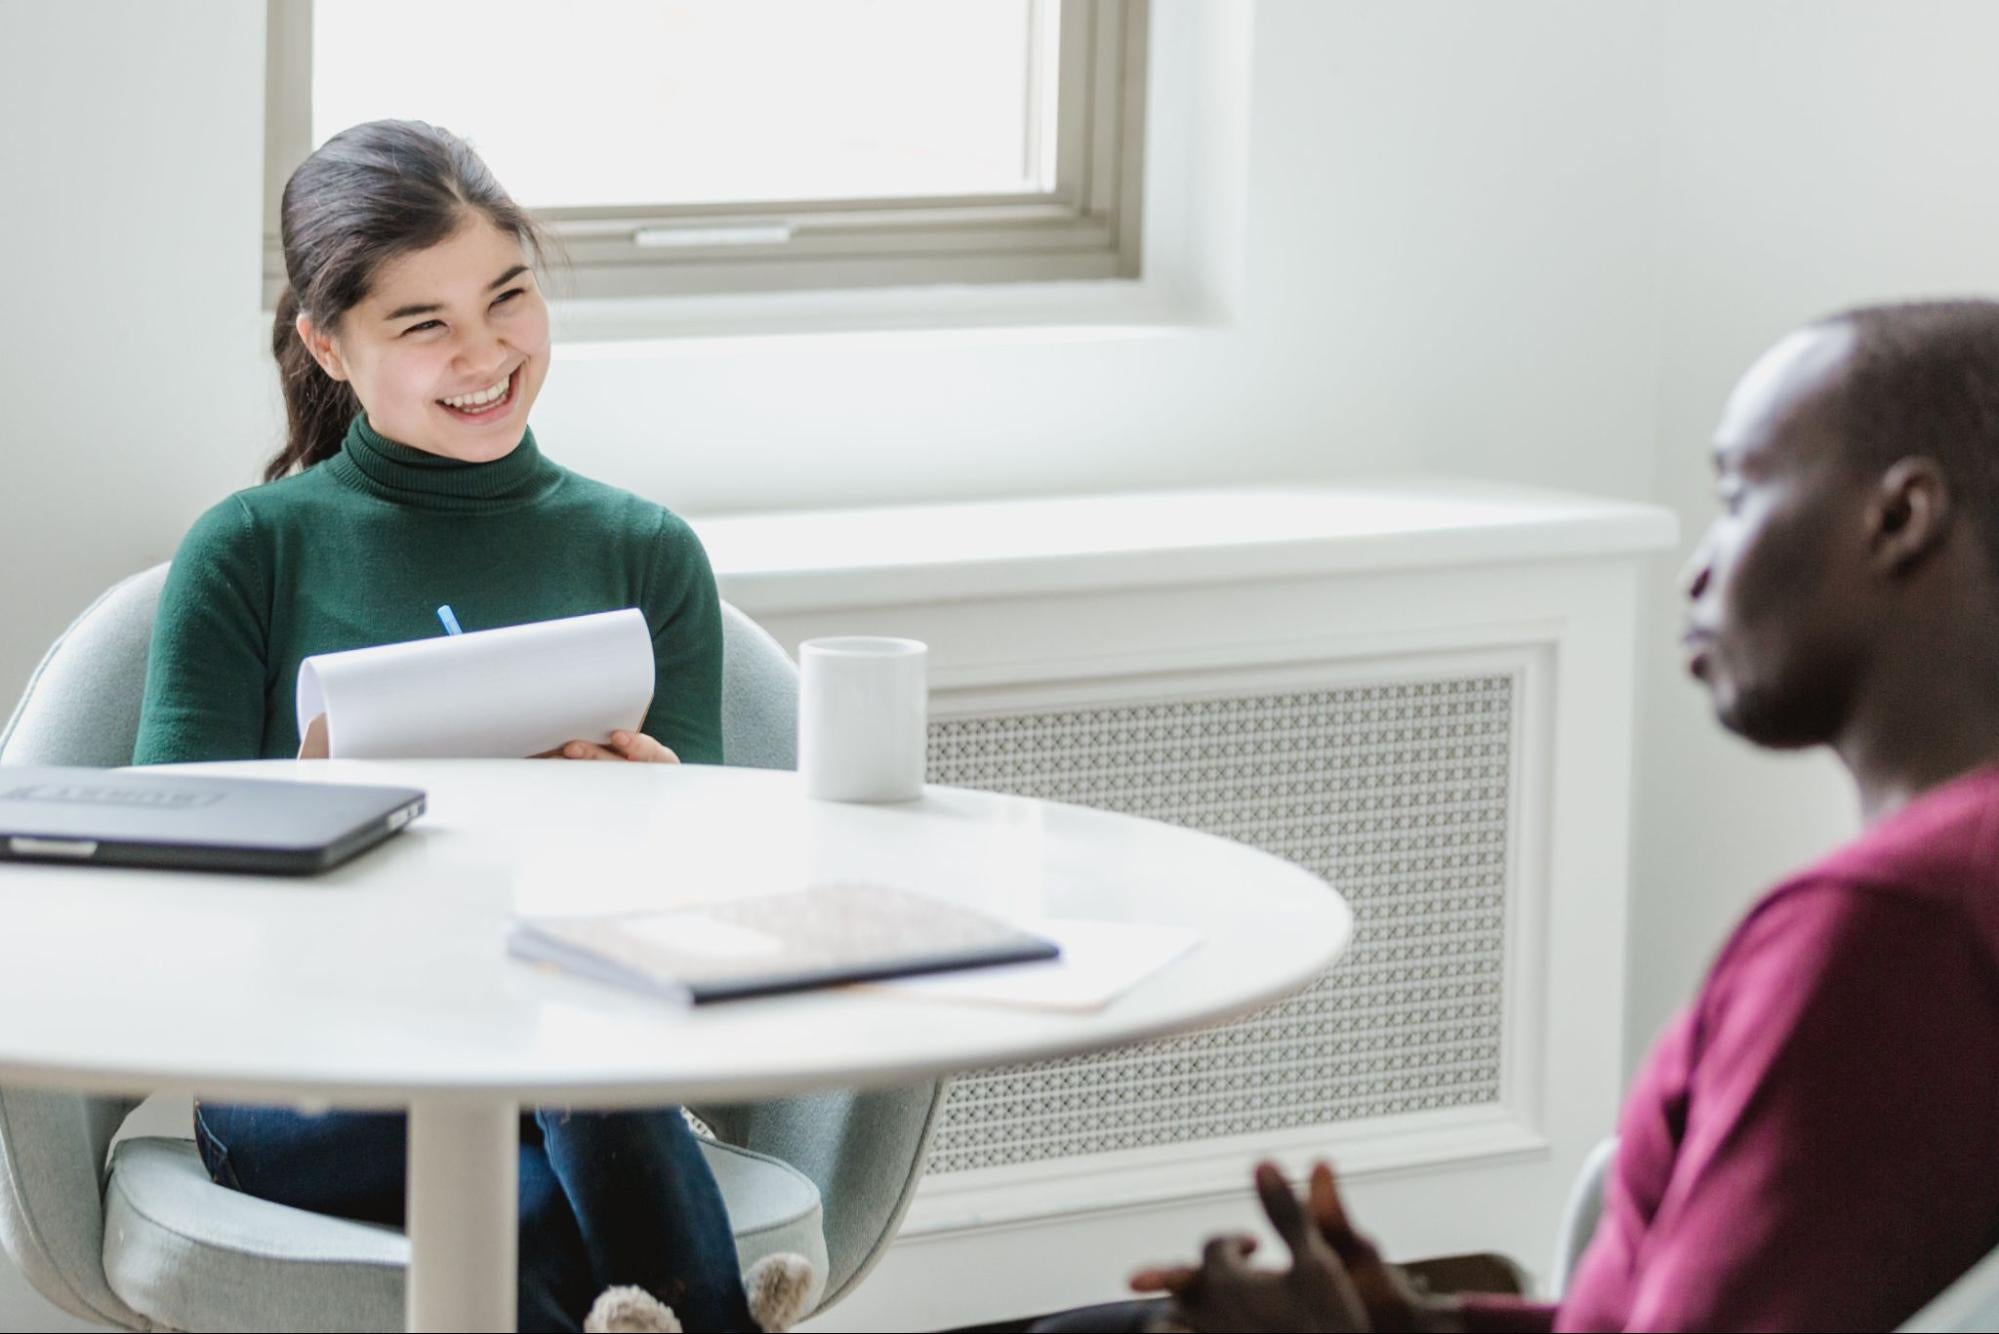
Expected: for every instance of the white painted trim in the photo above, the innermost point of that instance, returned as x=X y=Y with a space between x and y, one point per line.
x=1524 y=1032
x=847 y=559
x=1245 y=666
x=1211 y=1169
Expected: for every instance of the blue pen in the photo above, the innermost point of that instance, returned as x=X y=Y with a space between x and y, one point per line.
x=450 y=621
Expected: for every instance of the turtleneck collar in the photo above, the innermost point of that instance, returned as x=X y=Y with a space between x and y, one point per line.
x=371 y=462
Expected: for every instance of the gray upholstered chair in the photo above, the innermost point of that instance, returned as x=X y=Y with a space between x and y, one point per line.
x=139 y=1237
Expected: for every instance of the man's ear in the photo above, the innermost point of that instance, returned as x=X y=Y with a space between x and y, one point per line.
x=1910 y=514
x=321 y=346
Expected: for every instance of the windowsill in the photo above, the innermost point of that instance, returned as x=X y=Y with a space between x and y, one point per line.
x=1033 y=312
x=820 y=559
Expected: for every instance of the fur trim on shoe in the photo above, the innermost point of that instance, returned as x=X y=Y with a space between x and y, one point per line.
x=630 y=1311
x=777 y=1286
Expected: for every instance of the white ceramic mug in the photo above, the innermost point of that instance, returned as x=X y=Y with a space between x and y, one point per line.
x=863 y=714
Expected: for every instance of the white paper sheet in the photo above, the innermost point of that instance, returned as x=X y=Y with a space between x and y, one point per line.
x=490 y=694
x=1100 y=962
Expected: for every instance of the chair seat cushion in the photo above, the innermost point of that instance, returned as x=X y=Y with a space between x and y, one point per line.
x=194 y=1255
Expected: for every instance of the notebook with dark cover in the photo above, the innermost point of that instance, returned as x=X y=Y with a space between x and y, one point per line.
x=821 y=936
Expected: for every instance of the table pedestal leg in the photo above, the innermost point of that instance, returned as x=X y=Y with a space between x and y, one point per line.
x=464 y=1181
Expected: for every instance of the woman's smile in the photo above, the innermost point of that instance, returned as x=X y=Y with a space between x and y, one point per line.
x=482 y=407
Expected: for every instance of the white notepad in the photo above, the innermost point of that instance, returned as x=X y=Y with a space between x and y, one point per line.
x=490 y=694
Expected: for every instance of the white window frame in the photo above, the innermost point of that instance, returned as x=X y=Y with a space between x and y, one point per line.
x=1086 y=227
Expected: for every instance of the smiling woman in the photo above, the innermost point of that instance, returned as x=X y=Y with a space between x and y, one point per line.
x=392 y=299
x=412 y=341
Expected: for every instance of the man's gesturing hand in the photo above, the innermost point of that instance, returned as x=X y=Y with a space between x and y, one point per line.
x=1337 y=1279
x=1225 y=1294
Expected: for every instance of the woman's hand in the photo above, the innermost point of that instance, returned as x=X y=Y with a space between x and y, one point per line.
x=634 y=746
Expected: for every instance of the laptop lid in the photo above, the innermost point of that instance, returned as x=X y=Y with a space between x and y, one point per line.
x=137 y=818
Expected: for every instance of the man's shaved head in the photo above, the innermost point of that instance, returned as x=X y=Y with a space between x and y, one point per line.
x=1922 y=379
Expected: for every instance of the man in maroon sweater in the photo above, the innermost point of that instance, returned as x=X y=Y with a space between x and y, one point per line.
x=1814 y=1142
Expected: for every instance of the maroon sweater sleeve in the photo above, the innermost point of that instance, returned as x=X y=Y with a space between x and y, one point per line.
x=1836 y=1168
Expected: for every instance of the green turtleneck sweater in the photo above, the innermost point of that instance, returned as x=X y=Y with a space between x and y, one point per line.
x=363 y=548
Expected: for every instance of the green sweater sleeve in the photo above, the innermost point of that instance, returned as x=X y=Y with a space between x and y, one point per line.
x=205 y=685
x=685 y=613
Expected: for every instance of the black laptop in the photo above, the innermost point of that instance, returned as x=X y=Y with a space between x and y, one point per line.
x=133 y=817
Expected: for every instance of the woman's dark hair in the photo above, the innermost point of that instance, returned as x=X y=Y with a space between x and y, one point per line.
x=367 y=196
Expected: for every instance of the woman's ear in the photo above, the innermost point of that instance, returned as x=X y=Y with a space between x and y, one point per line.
x=321 y=346
x=1910 y=514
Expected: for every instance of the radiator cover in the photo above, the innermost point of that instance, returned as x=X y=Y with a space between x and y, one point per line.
x=1397 y=793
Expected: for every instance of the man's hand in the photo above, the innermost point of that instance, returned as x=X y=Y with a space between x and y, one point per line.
x=1226 y=1295
x=1337 y=1279
x=635 y=746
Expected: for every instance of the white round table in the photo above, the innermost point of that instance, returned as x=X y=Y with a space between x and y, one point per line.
x=386 y=982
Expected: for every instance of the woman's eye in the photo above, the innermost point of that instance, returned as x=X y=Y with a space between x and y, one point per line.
x=507 y=295
x=427 y=324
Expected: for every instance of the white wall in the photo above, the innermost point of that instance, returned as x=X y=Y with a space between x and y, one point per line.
x=1533 y=240
x=128 y=350
x=129 y=166
x=1422 y=286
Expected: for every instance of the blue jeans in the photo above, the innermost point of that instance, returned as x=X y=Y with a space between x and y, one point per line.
x=606 y=1198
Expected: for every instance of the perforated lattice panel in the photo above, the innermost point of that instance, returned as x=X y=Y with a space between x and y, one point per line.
x=1396 y=793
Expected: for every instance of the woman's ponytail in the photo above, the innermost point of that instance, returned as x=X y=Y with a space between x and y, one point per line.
x=364 y=197
x=318 y=407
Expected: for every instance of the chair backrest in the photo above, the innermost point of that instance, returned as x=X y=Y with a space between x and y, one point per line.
x=81 y=707
x=1579 y=1216
x=759 y=697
